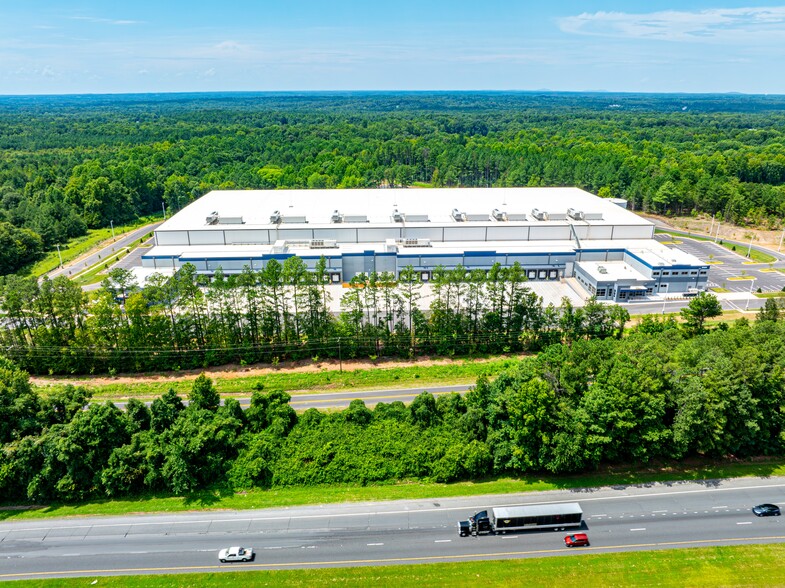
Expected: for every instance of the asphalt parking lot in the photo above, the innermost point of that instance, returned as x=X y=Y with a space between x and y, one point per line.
x=728 y=269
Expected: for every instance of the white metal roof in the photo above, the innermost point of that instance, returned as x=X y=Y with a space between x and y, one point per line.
x=317 y=207
x=612 y=271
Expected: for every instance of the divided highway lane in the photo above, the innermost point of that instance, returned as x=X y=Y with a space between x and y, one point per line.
x=617 y=519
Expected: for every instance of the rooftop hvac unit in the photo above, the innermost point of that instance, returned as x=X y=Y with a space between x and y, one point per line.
x=516 y=216
x=230 y=220
x=276 y=218
x=417 y=218
x=602 y=269
x=355 y=218
x=398 y=217
x=212 y=218
x=476 y=217
x=294 y=219
x=499 y=215
x=322 y=244
x=458 y=215
x=337 y=217
x=413 y=242
x=575 y=214
x=539 y=214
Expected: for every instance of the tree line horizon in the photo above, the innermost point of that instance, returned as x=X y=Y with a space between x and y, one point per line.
x=70 y=164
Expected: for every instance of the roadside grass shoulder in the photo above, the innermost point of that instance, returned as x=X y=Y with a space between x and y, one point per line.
x=738 y=565
x=326 y=380
x=81 y=245
x=231 y=499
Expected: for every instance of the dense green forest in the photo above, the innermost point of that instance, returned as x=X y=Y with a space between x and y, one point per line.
x=282 y=312
x=661 y=393
x=77 y=162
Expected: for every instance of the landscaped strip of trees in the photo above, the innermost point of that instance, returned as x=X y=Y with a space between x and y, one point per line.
x=282 y=312
x=68 y=164
x=661 y=393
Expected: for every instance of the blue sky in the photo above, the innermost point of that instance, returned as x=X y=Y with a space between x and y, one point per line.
x=92 y=46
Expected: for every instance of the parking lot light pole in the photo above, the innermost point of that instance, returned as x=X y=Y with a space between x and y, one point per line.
x=747 y=306
x=111 y=225
x=749 y=249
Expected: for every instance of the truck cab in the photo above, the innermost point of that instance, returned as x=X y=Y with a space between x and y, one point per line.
x=479 y=524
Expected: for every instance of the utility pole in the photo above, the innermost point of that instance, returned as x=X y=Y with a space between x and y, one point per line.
x=717 y=236
x=712 y=224
x=163 y=207
x=60 y=256
x=340 y=359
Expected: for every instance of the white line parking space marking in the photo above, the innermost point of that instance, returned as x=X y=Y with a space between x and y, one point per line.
x=443 y=541
x=374 y=544
x=639 y=529
x=719 y=507
x=745 y=523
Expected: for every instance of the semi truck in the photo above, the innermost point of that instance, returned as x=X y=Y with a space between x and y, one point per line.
x=502 y=519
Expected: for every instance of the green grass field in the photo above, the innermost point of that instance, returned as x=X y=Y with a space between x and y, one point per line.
x=737 y=566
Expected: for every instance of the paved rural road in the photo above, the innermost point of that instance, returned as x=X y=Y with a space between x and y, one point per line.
x=336 y=400
x=85 y=262
x=370 y=397
x=630 y=518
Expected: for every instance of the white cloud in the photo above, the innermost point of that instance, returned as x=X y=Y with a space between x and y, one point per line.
x=713 y=25
x=110 y=21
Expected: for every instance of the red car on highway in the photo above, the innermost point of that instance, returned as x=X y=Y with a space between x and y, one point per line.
x=577 y=540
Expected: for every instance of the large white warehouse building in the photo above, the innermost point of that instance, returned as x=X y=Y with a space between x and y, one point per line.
x=554 y=233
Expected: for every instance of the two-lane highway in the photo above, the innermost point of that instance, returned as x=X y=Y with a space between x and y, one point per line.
x=646 y=517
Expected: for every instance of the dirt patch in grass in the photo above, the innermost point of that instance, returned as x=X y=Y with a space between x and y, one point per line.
x=702 y=224
x=232 y=371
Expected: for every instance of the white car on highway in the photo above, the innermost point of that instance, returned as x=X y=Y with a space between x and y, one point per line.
x=235 y=554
